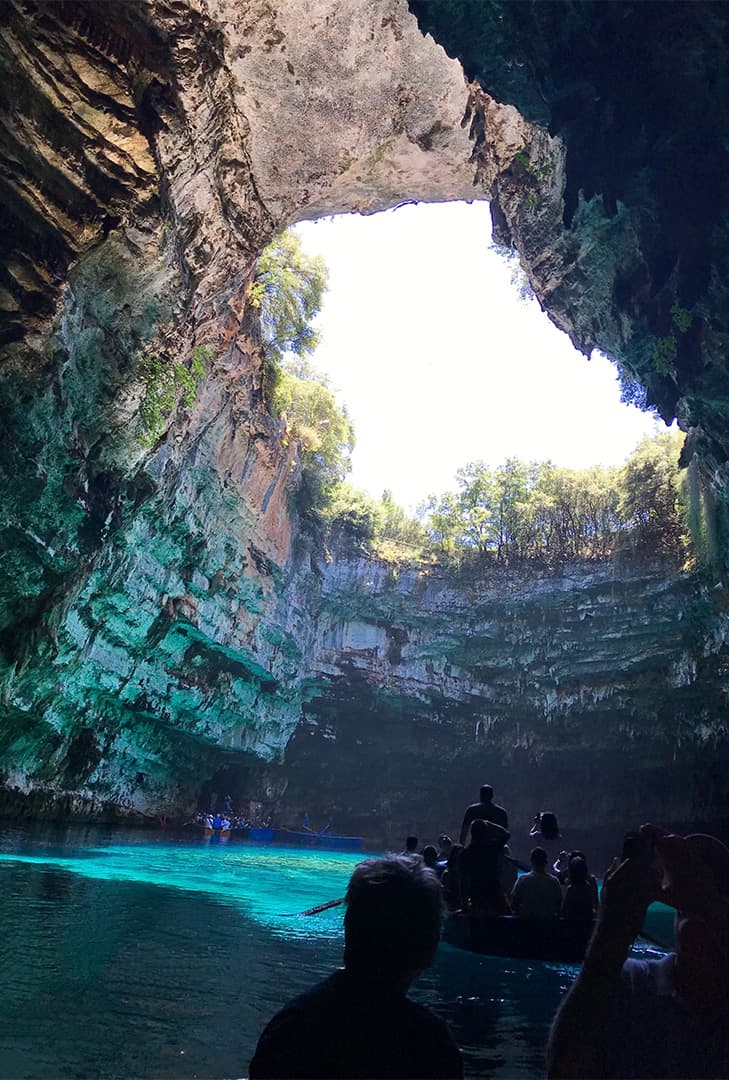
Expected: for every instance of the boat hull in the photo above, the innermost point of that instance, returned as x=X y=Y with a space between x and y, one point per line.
x=557 y=940
x=301 y=839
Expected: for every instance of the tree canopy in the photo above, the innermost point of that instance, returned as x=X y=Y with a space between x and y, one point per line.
x=288 y=289
x=537 y=510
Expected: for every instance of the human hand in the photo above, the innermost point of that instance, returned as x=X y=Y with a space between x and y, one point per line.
x=629 y=886
x=689 y=884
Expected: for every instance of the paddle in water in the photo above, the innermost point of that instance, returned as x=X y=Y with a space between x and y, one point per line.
x=314 y=910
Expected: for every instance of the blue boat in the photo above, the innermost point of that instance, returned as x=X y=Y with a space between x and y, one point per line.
x=301 y=839
x=264 y=836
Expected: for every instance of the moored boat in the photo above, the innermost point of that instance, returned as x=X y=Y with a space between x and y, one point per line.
x=300 y=839
x=557 y=940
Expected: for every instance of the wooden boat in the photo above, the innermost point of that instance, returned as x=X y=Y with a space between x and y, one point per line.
x=557 y=940
x=317 y=840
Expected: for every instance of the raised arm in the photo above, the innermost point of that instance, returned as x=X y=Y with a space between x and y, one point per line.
x=579 y=1043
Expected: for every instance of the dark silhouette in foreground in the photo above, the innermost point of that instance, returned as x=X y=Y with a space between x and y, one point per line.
x=665 y=1018
x=359 y=1022
x=480 y=865
x=486 y=810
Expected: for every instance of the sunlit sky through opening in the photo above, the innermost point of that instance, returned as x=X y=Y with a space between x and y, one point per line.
x=439 y=361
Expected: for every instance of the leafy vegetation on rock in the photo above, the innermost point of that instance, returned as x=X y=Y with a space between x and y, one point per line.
x=162 y=384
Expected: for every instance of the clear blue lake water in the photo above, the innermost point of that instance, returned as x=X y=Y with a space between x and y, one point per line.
x=129 y=954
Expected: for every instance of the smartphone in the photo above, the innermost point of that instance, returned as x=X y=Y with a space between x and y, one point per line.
x=633 y=845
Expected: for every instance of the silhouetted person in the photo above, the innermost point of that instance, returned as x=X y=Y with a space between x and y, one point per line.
x=359 y=1022
x=430 y=856
x=545 y=832
x=445 y=846
x=411 y=846
x=480 y=865
x=537 y=895
x=663 y=1018
x=485 y=810
x=452 y=879
x=591 y=879
x=579 y=899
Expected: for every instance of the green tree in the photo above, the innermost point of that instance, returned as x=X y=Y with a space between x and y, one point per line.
x=352 y=518
x=288 y=289
x=650 y=494
x=321 y=427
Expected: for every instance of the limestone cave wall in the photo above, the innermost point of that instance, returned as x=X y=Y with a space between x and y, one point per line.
x=599 y=690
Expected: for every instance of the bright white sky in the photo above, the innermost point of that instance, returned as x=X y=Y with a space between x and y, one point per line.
x=440 y=363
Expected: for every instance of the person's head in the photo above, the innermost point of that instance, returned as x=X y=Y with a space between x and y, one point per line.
x=392 y=920
x=563 y=860
x=548 y=825
x=538 y=859
x=430 y=855
x=411 y=844
x=487 y=793
x=577 y=854
x=577 y=871
x=446 y=844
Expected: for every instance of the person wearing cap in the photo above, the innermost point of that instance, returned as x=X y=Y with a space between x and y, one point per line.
x=664 y=1018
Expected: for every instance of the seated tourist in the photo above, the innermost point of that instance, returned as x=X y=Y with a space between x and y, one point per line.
x=537 y=895
x=430 y=856
x=359 y=1021
x=668 y=1017
x=445 y=846
x=479 y=865
x=411 y=846
x=591 y=879
x=579 y=900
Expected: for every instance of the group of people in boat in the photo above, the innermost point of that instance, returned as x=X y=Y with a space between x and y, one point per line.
x=622 y=1017
x=479 y=875
x=227 y=820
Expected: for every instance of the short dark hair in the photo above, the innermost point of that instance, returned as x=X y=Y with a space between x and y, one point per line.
x=411 y=843
x=393 y=917
x=487 y=793
x=430 y=855
x=538 y=856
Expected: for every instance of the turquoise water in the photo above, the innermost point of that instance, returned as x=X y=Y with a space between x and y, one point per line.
x=127 y=955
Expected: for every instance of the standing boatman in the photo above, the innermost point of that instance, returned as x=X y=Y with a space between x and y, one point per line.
x=486 y=809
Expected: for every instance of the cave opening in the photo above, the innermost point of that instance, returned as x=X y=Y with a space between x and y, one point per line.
x=435 y=343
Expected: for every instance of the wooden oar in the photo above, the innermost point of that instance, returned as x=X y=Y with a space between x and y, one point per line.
x=314 y=910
